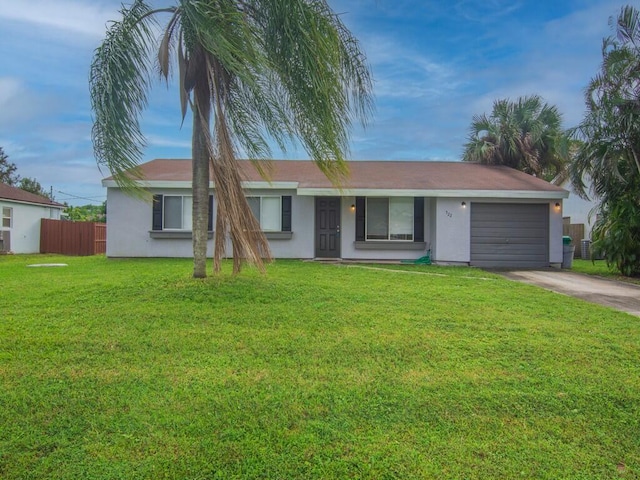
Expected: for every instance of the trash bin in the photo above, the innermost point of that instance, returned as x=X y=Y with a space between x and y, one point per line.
x=568 y=250
x=585 y=245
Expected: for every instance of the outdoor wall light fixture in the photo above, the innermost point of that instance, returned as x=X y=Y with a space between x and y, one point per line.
x=557 y=205
x=353 y=207
x=464 y=204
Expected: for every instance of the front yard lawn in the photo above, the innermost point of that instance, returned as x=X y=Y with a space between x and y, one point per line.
x=131 y=369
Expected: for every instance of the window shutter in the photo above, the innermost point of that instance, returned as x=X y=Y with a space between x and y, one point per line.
x=418 y=219
x=210 y=223
x=286 y=213
x=156 y=220
x=360 y=218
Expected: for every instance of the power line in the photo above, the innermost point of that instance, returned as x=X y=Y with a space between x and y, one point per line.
x=70 y=195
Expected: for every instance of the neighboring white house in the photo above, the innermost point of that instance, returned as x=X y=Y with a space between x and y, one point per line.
x=21 y=214
x=579 y=210
x=464 y=213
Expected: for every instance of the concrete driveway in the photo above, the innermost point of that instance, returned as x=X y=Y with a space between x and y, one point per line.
x=619 y=295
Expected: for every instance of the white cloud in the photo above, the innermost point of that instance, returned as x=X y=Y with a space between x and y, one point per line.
x=72 y=16
x=556 y=64
x=19 y=105
x=401 y=72
x=160 y=141
x=9 y=89
x=485 y=10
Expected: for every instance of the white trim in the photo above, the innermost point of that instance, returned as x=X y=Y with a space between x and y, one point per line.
x=373 y=192
x=21 y=202
x=362 y=192
x=6 y=217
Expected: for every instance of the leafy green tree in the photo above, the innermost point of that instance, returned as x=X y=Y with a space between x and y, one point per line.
x=87 y=213
x=8 y=169
x=609 y=155
x=32 y=185
x=526 y=135
x=251 y=70
x=616 y=232
x=8 y=175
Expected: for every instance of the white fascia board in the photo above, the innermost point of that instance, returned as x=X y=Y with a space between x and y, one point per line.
x=32 y=204
x=371 y=192
x=362 y=192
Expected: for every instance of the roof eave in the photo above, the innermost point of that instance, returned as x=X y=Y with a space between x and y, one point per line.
x=443 y=193
x=38 y=204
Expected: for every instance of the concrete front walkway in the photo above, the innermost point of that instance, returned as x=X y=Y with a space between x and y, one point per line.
x=619 y=295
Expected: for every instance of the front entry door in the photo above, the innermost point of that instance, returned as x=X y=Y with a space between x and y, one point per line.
x=327 y=227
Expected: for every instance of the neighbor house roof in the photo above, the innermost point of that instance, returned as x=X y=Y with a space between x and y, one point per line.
x=7 y=192
x=368 y=177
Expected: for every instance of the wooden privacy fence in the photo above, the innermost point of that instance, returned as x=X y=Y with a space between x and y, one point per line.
x=576 y=232
x=73 y=238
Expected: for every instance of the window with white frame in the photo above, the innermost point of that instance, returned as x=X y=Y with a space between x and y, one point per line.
x=177 y=212
x=7 y=217
x=389 y=218
x=268 y=211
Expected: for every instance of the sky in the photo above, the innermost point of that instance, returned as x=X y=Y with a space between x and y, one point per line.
x=435 y=64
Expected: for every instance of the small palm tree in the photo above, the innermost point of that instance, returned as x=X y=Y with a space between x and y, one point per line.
x=526 y=135
x=251 y=70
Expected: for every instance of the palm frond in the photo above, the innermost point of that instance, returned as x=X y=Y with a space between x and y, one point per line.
x=119 y=81
x=317 y=67
x=168 y=39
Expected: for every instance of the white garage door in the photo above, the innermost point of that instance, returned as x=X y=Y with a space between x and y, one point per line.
x=509 y=235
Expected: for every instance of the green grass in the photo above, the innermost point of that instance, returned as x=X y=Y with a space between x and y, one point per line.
x=130 y=369
x=600 y=268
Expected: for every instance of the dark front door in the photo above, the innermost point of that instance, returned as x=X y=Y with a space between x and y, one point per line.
x=328 y=227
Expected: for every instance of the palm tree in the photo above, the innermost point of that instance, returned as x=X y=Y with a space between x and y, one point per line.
x=251 y=70
x=610 y=130
x=609 y=153
x=526 y=135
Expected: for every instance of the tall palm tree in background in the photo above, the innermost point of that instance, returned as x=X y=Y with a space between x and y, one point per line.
x=609 y=153
x=526 y=135
x=610 y=130
x=251 y=70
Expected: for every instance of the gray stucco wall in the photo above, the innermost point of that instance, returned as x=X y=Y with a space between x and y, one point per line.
x=446 y=224
x=129 y=225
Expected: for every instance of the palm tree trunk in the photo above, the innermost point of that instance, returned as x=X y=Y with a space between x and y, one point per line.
x=200 y=153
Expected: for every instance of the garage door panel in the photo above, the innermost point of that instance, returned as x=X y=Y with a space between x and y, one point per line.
x=491 y=235
x=509 y=235
x=505 y=257
x=514 y=216
x=532 y=248
x=513 y=223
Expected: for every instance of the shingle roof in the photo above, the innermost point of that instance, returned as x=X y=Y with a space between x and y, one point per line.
x=397 y=175
x=8 y=192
